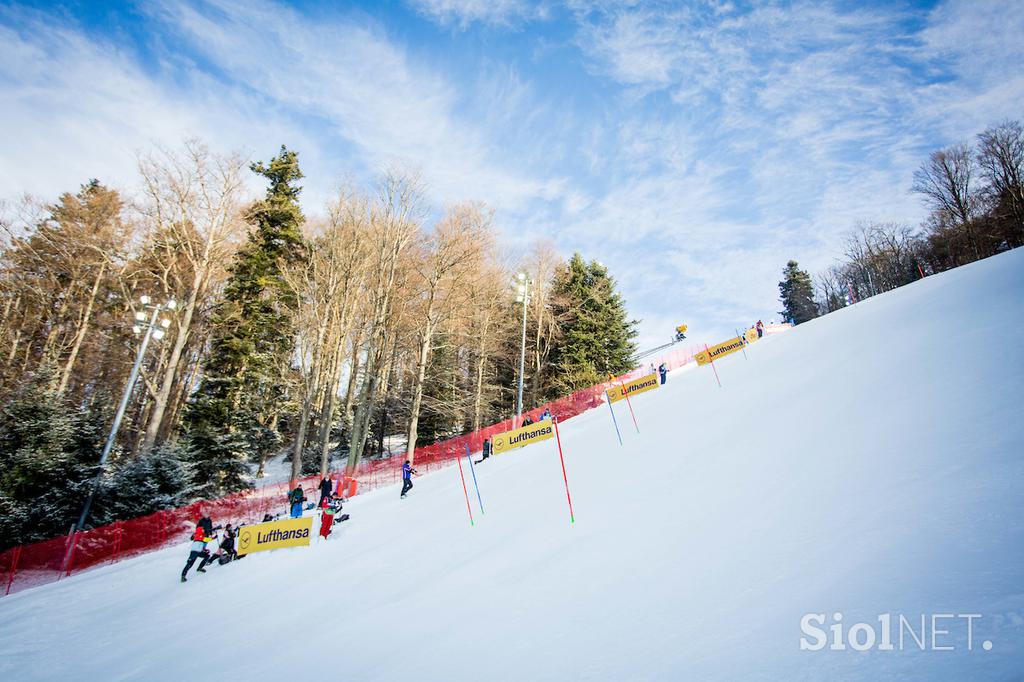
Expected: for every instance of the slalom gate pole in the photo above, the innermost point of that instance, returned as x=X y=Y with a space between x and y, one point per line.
x=743 y=340
x=920 y=270
x=609 y=399
x=628 y=404
x=14 y=569
x=706 y=350
x=472 y=470
x=468 y=508
x=558 y=439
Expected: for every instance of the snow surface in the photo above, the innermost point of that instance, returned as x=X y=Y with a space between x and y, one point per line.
x=868 y=462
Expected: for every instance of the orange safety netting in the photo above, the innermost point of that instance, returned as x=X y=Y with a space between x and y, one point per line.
x=38 y=563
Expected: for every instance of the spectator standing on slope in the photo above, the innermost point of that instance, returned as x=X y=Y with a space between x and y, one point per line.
x=295 y=500
x=325 y=490
x=760 y=329
x=663 y=372
x=407 y=477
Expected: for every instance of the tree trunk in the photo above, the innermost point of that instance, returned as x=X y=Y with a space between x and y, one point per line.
x=167 y=383
x=417 y=387
x=481 y=360
x=82 y=329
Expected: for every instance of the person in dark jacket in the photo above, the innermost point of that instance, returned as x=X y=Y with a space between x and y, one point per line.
x=760 y=329
x=407 y=472
x=295 y=500
x=663 y=371
x=325 y=490
x=486 y=451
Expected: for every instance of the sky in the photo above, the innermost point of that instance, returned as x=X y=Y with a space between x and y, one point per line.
x=691 y=147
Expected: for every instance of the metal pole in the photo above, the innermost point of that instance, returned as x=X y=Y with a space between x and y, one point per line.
x=109 y=445
x=522 y=354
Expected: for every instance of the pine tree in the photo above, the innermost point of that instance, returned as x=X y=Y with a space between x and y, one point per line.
x=229 y=418
x=440 y=417
x=596 y=333
x=797 y=294
x=48 y=457
x=140 y=485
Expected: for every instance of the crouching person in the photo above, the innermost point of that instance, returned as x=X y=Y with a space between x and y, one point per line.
x=226 y=552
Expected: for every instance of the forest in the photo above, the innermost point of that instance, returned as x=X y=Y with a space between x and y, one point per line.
x=377 y=325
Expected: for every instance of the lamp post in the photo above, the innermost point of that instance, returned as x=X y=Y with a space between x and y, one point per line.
x=522 y=296
x=149 y=329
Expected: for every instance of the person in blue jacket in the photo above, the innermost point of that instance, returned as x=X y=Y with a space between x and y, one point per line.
x=663 y=371
x=407 y=472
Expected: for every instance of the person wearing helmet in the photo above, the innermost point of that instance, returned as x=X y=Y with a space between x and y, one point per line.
x=407 y=472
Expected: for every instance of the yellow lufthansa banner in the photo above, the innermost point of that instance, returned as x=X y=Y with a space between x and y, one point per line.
x=517 y=438
x=719 y=350
x=647 y=383
x=273 y=535
x=751 y=335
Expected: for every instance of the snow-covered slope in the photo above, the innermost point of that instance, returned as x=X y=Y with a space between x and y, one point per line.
x=869 y=462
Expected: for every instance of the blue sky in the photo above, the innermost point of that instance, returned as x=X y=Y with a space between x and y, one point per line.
x=692 y=147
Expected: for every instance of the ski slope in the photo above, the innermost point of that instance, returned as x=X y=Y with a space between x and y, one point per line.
x=868 y=462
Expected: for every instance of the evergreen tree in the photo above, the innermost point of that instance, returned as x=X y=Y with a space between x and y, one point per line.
x=596 y=333
x=229 y=418
x=797 y=294
x=140 y=485
x=440 y=417
x=48 y=457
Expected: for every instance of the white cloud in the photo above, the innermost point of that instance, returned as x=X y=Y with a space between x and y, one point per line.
x=732 y=140
x=464 y=13
x=369 y=91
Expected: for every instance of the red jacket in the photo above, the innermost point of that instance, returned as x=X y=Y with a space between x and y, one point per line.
x=199 y=535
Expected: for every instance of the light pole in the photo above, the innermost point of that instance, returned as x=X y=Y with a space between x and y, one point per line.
x=152 y=330
x=522 y=296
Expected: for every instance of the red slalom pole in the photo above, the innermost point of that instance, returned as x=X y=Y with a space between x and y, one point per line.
x=706 y=350
x=558 y=439
x=920 y=270
x=465 y=491
x=14 y=569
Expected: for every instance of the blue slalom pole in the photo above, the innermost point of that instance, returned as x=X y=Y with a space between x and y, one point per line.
x=473 y=471
x=743 y=340
x=608 y=398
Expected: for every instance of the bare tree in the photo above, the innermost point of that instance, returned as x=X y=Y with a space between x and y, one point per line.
x=192 y=204
x=395 y=220
x=947 y=183
x=1001 y=160
x=441 y=276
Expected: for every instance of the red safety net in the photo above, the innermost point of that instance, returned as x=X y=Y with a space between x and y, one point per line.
x=38 y=563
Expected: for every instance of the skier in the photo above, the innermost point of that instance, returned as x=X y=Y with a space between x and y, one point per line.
x=325 y=490
x=198 y=549
x=407 y=472
x=486 y=451
x=295 y=500
x=663 y=372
